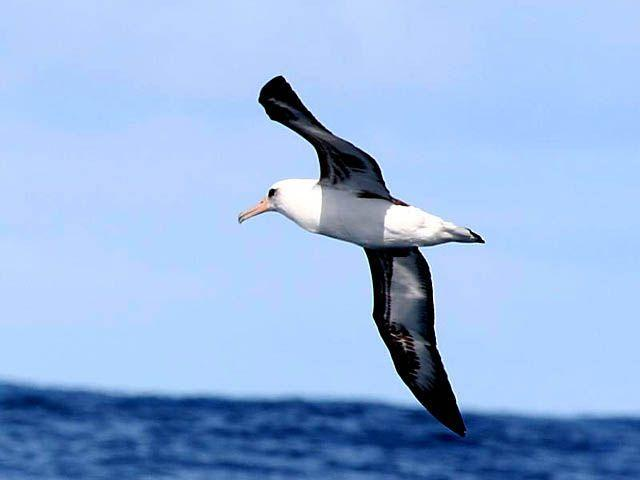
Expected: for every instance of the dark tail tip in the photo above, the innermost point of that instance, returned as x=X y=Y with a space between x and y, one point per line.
x=475 y=236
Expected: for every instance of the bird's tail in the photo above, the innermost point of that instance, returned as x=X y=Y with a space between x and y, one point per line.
x=465 y=235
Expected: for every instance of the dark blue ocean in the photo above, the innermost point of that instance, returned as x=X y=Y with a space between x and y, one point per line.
x=58 y=434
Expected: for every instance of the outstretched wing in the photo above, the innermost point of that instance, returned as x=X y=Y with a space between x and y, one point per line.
x=404 y=313
x=341 y=163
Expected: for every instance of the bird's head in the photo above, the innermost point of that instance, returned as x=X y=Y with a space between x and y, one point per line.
x=294 y=198
x=268 y=204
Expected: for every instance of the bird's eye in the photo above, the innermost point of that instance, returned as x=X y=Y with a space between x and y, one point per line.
x=272 y=192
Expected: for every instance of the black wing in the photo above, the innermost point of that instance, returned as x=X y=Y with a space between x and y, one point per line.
x=404 y=313
x=341 y=163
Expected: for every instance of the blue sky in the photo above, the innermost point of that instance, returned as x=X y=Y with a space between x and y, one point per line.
x=130 y=137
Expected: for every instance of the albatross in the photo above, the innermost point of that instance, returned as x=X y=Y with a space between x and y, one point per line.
x=351 y=202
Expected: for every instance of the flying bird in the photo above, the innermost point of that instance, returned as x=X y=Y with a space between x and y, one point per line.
x=351 y=202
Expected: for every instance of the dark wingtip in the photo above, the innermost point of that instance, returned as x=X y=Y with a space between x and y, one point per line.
x=476 y=237
x=441 y=403
x=454 y=422
x=282 y=104
x=462 y=431
x=274 y=88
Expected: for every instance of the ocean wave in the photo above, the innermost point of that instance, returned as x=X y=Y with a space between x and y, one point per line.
x=64 y=434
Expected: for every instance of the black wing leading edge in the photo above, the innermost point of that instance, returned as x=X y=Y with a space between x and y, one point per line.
x=342 y=164
x=403 y=310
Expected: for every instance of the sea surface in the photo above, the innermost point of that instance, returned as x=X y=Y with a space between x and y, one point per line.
x=61 y=434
